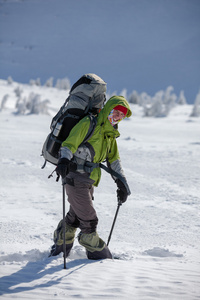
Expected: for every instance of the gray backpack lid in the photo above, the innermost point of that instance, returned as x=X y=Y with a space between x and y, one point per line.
x=89 y=88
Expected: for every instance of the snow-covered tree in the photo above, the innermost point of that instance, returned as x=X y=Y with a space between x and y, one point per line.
x=196 y=107
x=155 y=109
x=9 y=80
x=29 y=101
x=181 y=99
x=3 y=102
x=36 y=106
x=32 y=105
x=134 y=98
x=35 y=82
x=63 y=84
x=44 y=107
x=18 y=92
x=32 y=82
x=21 y=106
x=169 y=100
x=167 y=93
x=160 y=104
x=145 y=99
x=49 y=82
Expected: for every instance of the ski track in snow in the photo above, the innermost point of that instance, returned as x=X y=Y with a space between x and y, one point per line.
x=156 y=236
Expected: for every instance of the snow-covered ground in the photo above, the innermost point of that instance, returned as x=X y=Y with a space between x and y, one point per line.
x=156 y=235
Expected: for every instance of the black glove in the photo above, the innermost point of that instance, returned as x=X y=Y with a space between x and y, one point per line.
x=122 y=193
x=63 y=167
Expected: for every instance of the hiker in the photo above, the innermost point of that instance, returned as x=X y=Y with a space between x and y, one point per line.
x=80 y=183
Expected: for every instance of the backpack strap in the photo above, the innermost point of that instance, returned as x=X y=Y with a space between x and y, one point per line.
x=93 y=123
x=89 y=106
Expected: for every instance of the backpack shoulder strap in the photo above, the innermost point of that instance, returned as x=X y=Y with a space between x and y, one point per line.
x=93 y=123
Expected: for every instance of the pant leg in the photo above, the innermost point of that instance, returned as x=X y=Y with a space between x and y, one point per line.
x=71 y=218
x=69 y=234
x=95 y=246
x=57 y=248
x=80 y=198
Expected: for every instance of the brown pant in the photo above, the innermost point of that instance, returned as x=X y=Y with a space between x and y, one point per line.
x=81 y=213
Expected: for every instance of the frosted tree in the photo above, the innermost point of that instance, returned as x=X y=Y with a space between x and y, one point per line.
x=18 y=92
x=159 y=105
x=63 y=84
x=9 y=80
x=21 y=106
x=32 y=105
x=44 y=107
x=134 y=98
x=156 y=108
x=35 y=104
x=169 y=99
x=181 y=99
x=167 y=93
x=170 y=104
x=35 y=82
x=196 y=107
x=145 y=99
x=3 y=102
x=32 y=82
x=49 y=82
x=29 y=101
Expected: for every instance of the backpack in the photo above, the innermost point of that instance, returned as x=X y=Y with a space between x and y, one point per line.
x=86 y=98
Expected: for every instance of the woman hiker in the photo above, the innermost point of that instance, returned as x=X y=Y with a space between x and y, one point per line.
x=80 y=183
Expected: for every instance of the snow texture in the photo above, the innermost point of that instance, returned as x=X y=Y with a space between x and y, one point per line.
x=156 y=236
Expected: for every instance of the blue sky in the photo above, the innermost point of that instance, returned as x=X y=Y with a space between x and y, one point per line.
x=142 y=45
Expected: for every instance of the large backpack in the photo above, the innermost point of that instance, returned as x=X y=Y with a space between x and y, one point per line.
x=86 y=97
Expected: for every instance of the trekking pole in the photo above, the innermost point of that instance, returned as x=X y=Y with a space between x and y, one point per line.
x=64 y=225
x=118 y=206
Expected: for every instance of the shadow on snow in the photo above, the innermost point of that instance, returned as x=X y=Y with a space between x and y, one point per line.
x=34 y=271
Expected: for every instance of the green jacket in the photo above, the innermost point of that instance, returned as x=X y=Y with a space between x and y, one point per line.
x=103 y=141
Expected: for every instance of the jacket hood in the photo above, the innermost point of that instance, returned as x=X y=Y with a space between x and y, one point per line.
x=111 y=103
